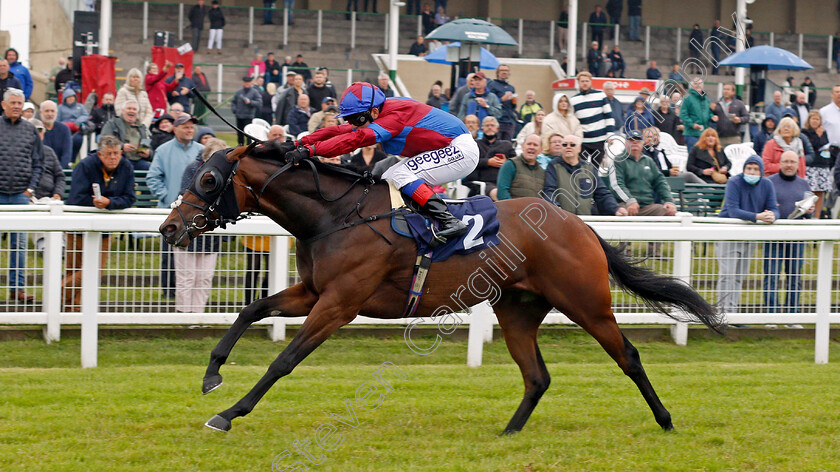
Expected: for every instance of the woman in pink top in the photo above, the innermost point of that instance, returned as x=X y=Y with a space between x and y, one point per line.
x=259 y=63
x=157 y=88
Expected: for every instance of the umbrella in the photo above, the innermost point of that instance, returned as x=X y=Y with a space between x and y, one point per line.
x=767 y=57
x=488 y=60
x=472 y=30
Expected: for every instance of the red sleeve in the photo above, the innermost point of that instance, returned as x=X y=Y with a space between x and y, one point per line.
x=337 y=140
x=771 y=159
x=151 y=80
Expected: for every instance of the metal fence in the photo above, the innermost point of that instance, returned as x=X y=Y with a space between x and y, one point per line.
x=136 y=286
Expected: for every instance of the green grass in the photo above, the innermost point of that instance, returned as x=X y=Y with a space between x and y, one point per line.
x=737 y=406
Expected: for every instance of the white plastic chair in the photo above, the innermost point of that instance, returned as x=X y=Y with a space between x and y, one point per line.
x=677 y=154
x=737 y=155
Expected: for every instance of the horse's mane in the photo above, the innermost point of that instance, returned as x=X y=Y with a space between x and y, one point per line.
x=339 y=171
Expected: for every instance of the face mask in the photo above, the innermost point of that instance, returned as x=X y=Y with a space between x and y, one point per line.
x=825 y=154
x=751 y=179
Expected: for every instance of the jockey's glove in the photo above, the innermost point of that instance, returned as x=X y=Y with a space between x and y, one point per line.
x=298 y=154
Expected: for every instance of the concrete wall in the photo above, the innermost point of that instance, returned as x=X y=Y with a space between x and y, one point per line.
x=51 y=38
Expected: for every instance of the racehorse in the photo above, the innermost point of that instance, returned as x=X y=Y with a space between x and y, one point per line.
x=352 y=263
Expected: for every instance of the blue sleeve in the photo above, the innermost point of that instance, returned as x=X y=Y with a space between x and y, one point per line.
x=26 y=80
x=550 y=184
x=506 y=175
x=604 y=199
x=126 y=198
x=66 y=145
x=37 y=158
x=770 y=202
x=732 y=203
x=807 y=149
x=80 y=188
x=154 y=178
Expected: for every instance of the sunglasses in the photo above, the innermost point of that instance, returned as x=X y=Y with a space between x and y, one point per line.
x=567 y=144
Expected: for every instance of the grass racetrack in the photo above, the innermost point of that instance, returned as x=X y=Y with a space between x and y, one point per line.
x=749 y=405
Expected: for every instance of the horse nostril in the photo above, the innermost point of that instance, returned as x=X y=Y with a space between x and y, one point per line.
x=169 y=230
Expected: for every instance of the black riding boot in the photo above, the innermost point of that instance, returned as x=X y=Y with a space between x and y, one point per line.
x=436 y=209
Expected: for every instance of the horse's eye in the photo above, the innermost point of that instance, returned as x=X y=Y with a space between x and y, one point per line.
x=209 y=183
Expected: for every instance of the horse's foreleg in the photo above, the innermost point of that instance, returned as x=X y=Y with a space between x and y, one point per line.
x=520 y=317
x=294 y=301
x=324 y=320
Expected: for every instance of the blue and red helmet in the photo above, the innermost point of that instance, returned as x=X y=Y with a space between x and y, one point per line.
x=360 y=97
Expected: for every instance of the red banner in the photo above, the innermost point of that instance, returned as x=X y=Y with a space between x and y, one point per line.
x=160 y=55
x=99 y=76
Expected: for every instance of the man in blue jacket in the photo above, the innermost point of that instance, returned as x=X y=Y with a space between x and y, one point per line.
x=750 y=197
x=114 y=175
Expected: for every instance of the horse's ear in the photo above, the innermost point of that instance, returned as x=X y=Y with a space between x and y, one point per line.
x=240 y=151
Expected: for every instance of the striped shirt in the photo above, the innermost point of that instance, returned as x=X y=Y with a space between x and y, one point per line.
x=593 y=111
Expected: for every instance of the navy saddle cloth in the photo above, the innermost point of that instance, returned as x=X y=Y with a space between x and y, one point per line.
x=478 y=213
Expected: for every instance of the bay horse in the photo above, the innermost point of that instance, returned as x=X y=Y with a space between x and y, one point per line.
x=352 y=263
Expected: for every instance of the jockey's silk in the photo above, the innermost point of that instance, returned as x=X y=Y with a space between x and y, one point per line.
x=479 y=214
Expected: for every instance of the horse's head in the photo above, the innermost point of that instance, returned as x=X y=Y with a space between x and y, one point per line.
x=210 y=200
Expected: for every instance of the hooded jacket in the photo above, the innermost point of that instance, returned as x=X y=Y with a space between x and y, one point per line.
x=761 y=138
x=554 y=122
x=744 y=201
x=75 y=113
x=22 y=74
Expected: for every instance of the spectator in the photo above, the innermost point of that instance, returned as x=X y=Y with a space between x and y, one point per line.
x=695 y=45
x=265 y=104
x=246 y=103
x=695 y=113
x=298 y=118
x=418 y=48
x=507 y=97
x=57 y=136
x=162 y=130
x=535 y=126
x=634 y=15
x=635 y=182
x=19 y=71
x=573 y=184
x=327 y=105
x=52 y=182
x=748 y=197
x=181 y=93
x=352 y=5
x=75 y=116
x=811 y=91
x=318 y=90
x=196 y=17
x=595 y=115
x=62 y=64
x=818 y=172
x=203 y=135
x=195 y=264
x=719 y=36
x=563 y=29
x=667 y=121
x=474 y=126
x=492 y=154
x=329 y=120
x=217 y=25
x=133 y=90
x=365 y=158
x=593 y=59
x=384 y=84
x=164 y=180
x=268 y=7
x=276 y=132
x=617 y=62
x=480 y=101
x=257 y=68
x=639 y=117
x=785 y=138
x=654 y=150
x=801 y=107
x=287 y=99
x=7 y=79
x=28 y=110
x=459 y=94
x=605 y=63
x=616 y=108
x=428 y=19
x=273 y=70
x=830 y=115
x=437 y=99
x=203 y=86
x=675 y=74
x=290 y=80
x=652 y=72
x=561 y=121
x=157 y=90
x=64 y=76
x=522 y=176
x=530 y=107
x=776 y=110
x=440 y=16
x=732 y=116
x=768 y=127
x=597 y=23
x=413 y=7
x=103 y=114
x=301 y=68
x=707 y=157
x=290 y=5
x=108 y=169
x=614 y=8
x=133 y=135
x=789 y=189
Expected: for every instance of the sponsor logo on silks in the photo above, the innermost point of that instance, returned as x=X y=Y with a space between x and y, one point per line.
x=447 y=155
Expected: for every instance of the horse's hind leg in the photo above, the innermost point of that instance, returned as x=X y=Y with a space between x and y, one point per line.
x=294 y=301
x=326 y=317
x=520 y=315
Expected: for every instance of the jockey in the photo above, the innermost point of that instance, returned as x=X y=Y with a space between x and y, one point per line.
x=437 y=146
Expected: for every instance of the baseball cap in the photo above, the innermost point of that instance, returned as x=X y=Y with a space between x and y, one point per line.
x=326 y=99
x=247 y=78
x=37 y=123
x=180 y=64
x=634 y=135
x=28 y=106
x=480 y=75
x=183 y=119
x=290 y=72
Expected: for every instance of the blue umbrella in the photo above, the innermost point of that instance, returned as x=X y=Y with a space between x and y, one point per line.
x=488 y=60
x=766 y=57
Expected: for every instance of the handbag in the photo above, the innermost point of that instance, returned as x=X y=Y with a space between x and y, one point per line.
x=718 y=176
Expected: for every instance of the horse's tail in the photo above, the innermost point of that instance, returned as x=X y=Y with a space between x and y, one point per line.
x=658 y=291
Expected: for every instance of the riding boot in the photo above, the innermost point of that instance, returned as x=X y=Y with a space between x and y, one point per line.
x=436 y=209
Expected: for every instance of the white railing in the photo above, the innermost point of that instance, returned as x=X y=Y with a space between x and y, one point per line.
x=683 y=240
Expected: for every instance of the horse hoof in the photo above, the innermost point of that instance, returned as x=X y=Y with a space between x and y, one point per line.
x=211 y=383
x=668 y=427
x=218 y=423
x=509 y=432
